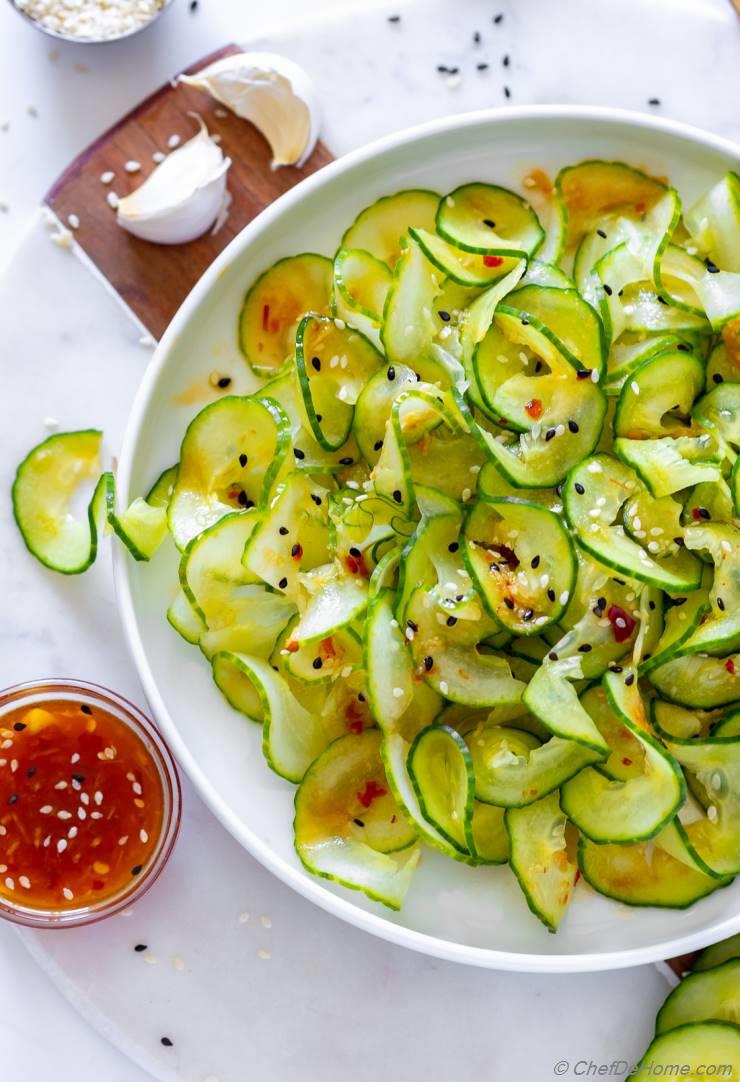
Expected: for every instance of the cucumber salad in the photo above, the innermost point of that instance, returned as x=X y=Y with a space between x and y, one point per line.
x=469 y=555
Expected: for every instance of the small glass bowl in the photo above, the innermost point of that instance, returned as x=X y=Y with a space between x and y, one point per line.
x=79 y=691
x=61 y=36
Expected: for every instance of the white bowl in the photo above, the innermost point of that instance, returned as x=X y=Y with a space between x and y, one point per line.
x=477 y=916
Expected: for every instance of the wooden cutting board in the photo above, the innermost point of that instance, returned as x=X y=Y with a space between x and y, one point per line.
x=154 y=279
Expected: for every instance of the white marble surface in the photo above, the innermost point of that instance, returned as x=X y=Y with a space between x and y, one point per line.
x=327 y=991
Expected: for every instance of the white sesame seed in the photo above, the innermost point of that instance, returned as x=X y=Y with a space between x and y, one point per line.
x=475 y=469
x=629 y=309
x=466 y=494
x=158 y=156
x=64 y=815
x=132 y=166
x=444 y=687
x=81 y=813
x=13 y=765
x=112 y=200
x=61 y=785
x=409 y=634
x=243 y=918
x=73 y=221
x=143 y=837
x=68 y=894
x=712 y=814
x=6 y=744
x=635 y=387
x=594 y=375
x=123 y=839
x=594 y=467
x=75 y=758
x=3 y=869
x=85 y=798
x=96 y=815
x=150 y=959
x=394 y=622
x=130 y=776
x=564 y=597
x=98 y=797
x=72 y=832
x=173 y=141
x=264 y=955
x=108 y=177
x=47 y=841
x=61 y=845
x=653 y=546
x=178 y=964
x=265 y=922
x=398 y=693
x=340 y=324
x=3 y=830
x=46 y=809
x=76 y=785
x=10 y=883
x=450 y=201
x=25 y=882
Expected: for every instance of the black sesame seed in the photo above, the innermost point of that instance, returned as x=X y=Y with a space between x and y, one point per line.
x=391 y=373
x=12 y=799
x=358 y=822
x=459 y=597
x=451 y=621
x=704 y=513
x=140 y=947
x=505 y=60
x=509 y=603
x=317 y=663
x=608 y=290
x=683 y=347
x=346 y=461
x=354 y=551
x=394 y=18
x=585 y=648
x=601 y=233
x=653 y=101
x=224 y=381
x=651 y=605
x=498 y=19
x=361 y=697
x=31 y=771
x=86 y=709
x=397 y=495
x=444 y=316
x=583 y=373
x=551 y=594
x=442 y=69
x=489 y=222
x=482 y=66
x=78 y=777
x=615 y=668
x=453 y=546
x=283 y=583
x=319 y=418
x=579 y=488
x=662 y=300
x=316 y=499
x=299 y=453
x=167 y=1042
x=453 y=71
x=602 y=603
x=283 y=531
x=552 y=656
x=720 y=604
x=414 y=627
x=296 y=550
x=620 y=581
x=316 y=362
x=507 y=92
x=242 y=498
x=711 y=267
x=428 y=663
x=476 y=37
x=193 y=5
x=538 y=366
x=136 y=869
x=679 y=600
x=525 y=322
x=559 y=490
x=243 y=459
x=718 y=378
x=549 y=434
x=19 y=726
x=527 y=614
x=573 y=426
x=535 y=561
x=646 y=656
x=378 y=445
x=629 y=680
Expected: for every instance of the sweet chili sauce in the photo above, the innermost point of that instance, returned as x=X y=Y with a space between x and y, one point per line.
x=81 y=805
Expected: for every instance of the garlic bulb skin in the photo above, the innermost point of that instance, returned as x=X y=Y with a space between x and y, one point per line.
x=272 y=92
x=182 y=198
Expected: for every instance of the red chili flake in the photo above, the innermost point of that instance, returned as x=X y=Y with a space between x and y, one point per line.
x=265 y=317
x=730 y=666
x=626 y=761
x=356 y=727
x=534 y=408
x=695 y=512
x=577 y=876
x=356 y=565
x=297 y=551
x=233 y=493
x=328 y=648
x=97 y=884
x=371 y=791
x=492 y=260
x=640 y=208
x=393 y=818
x=292 y=646
x=622 y=623
x=507 y=555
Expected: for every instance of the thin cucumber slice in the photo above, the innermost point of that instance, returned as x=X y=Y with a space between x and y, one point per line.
x=379 y=228
x=390 y=670
x=643 y=875
x=593 y=189
x=626 y=750
x=141 y=526
x=720 y=632
x=657 y=522
x=539 y=858
x=509 y=546
x=361 y=284
x=185 y=620
x=630 y=351
x=441 y=771
x=458 y=671
x=714 y=222
x=330 y=841
x=712 y=995
x=719 y=411
x=409 y=325
x=160 y=494
x=292 y=737
x=478 y=320
x=669 y=464
x=722 y=364
x=45 y=484
x=490 y=220
x=338 y=601
x=465 y=268
x=551 y=697
x=566 y=319
x=701 y=681
x=333 y=363
x=626 y=810
x=275 y=305
x=712 y=499
x=490 y=840
x=512 y=769
x=231 y=455
x=717 y=953
x=373 y=408
x=308 y=453
x=681 y=621
x=338 y=654
x=542 y=273
x=602 y=485
x=658 y=396
x=695 y=1047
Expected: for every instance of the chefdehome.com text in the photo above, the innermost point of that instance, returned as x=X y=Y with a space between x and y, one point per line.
x=620 y=1068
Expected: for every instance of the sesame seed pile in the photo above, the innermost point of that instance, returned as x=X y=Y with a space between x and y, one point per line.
x=91 y=18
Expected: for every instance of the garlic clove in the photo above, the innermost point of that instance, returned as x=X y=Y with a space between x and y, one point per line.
x=182 y=198
x=272 y=92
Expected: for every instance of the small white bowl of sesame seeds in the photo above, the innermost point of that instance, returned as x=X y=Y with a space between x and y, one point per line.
x=90 y=22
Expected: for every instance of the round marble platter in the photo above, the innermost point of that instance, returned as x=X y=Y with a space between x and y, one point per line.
x=246 y=979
